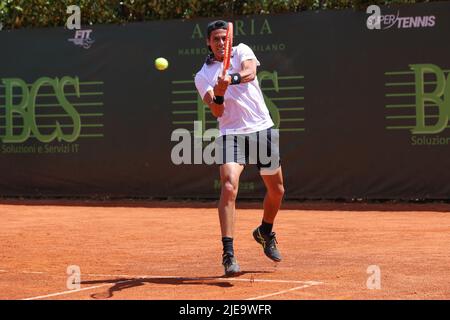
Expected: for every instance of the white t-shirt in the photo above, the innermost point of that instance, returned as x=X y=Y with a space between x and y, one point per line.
x=245 y=110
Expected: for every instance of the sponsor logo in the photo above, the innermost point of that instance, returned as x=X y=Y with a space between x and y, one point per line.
x=258 y=30
x=249 y=27
x=82 y=38
x=378 y=21
x=49 y=110
x=419 y=102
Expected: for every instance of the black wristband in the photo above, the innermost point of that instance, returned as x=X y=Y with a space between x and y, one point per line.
x=218 y=99
x=235 y=78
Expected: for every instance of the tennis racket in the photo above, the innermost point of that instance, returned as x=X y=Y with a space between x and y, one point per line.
x=228 y=48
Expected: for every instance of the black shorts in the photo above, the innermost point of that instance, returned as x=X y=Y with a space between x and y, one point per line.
x=260 y=148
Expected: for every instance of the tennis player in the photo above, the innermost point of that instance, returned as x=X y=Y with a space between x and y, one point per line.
x=236 y=100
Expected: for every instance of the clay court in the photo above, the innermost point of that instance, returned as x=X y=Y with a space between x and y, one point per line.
x=164 y=250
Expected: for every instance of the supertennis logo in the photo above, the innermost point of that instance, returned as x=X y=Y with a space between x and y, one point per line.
x=378 y=21
x=419 y=102
x=50 y=111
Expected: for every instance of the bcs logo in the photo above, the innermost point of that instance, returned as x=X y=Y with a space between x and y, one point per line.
x=379 y=21
x=25 y=110
x=439 y=97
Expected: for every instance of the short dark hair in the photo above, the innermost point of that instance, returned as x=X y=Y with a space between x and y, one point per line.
x=215 y=25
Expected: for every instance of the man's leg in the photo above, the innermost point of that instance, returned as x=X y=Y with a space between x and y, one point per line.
x=229 y=177
x=272 y=202
x=274 y=195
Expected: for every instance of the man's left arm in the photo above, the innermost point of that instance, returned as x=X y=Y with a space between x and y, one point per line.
x=247 y=74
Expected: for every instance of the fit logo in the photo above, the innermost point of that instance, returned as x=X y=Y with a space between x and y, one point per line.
x=24 y=110
x=82 y=37
x=74 y=277
x=374 y=280
x=439 y=96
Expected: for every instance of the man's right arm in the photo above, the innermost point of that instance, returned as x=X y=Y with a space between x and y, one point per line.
x=213 y=97
x=216 y=109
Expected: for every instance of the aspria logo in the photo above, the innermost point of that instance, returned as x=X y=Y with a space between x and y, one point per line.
x=378 y=21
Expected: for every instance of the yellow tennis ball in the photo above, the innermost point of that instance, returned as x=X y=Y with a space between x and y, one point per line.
x=161 y=64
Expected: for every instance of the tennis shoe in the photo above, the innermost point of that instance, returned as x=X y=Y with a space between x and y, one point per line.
x=269 y=244
x=230 y=264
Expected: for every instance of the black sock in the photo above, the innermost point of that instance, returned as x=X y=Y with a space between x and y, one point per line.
x=266 y=228
x=227 y=245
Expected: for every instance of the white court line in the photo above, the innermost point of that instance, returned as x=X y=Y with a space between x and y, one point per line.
x=310 y=283
x=282 y=292
x=306 y=284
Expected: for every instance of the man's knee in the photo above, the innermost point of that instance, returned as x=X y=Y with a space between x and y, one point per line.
x=276 y=191
x=230 y=188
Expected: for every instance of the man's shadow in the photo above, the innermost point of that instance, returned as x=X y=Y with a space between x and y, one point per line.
x=126 y=283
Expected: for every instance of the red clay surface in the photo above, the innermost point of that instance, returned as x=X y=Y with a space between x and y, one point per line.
x=173 y=251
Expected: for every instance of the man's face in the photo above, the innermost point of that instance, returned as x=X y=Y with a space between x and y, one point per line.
x=217 y=41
